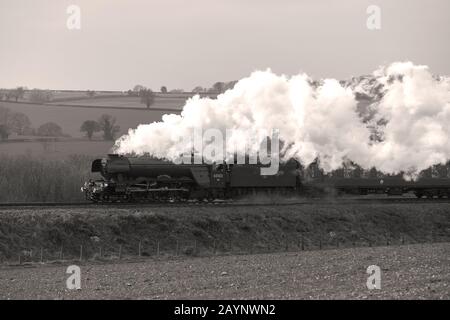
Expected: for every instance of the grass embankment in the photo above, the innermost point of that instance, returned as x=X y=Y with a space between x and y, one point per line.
x=232 y=229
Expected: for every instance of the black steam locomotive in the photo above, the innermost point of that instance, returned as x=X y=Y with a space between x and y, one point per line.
x=136 y=179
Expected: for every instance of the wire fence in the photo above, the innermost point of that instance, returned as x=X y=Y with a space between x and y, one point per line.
x=141 y=249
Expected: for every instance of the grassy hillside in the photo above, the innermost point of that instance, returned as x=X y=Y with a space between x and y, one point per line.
x=230 y=230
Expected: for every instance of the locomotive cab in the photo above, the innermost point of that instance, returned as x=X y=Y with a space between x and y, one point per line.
x=97 y=166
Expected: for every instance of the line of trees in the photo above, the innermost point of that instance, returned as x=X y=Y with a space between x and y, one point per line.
x=19 y=123
x=16 y=94
x=35 y=95
x=146 y=95
x=218 y=87
x=40 y=96
x=106 y=123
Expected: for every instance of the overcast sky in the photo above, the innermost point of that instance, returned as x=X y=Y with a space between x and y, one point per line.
x=182 y=44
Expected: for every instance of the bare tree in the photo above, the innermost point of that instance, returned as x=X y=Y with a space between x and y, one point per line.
x=18 y=93
x=109 y=127
x=199 y=89
x=137 y=88
x=147 y=97
x=40 y=96
x=221 y=87
x=90 y=93
x=163 y=89
x=218 y=87
x=14 y=122
x=90 y=126
x=20 y=123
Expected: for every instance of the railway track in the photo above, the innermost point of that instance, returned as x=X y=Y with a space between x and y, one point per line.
x=329 y=201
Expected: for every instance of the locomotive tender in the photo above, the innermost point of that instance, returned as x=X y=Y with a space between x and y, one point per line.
x=135 y=179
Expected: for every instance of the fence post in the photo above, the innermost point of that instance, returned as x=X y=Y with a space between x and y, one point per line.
x=81 y=252
x=214 y=247
x=157 y=248
x=177 y=248
x=20 y=258
x=42 y=255
x=120 y=252
x=61 y=253
x=403 y=239
x=320 y=243
x=303 y=243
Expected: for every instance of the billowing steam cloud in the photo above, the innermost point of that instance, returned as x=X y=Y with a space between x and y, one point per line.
x=408 y=128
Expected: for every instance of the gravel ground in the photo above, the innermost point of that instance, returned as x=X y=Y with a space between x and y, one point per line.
x=408 y=272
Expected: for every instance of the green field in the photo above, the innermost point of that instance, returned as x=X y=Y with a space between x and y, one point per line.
x=174 y=103
x=69 y=94
x=71 y=118
x=116 y=99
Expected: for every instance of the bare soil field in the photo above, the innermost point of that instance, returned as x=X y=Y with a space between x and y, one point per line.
x=407 y=272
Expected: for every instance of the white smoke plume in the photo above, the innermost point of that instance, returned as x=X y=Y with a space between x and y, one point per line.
x=411 y=119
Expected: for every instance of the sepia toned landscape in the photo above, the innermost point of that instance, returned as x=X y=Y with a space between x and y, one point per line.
x=239 y=151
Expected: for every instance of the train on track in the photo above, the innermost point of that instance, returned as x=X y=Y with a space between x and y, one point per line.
x=145 y=179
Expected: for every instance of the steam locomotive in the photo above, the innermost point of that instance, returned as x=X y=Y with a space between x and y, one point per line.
x=137 y=179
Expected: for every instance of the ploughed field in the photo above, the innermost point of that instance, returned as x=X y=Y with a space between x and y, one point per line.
x=407 y=271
